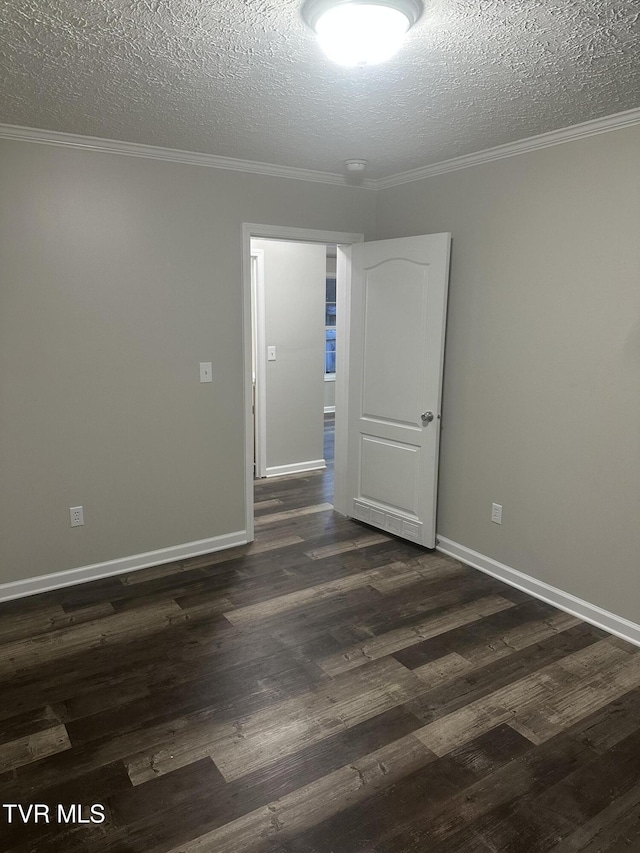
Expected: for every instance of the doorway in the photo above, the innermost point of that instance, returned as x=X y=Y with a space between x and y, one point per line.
x=294 y=323
x=294 y=351
x=342 y=241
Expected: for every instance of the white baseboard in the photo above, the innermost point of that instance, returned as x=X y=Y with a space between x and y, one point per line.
x=296 y=468
x=57 y=580
x=591 y=613
x=328 y=410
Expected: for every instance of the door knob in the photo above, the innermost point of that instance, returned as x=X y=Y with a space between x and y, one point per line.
x=426 y=417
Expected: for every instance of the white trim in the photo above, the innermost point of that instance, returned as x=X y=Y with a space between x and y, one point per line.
x=591 y=613
x=343 y=327
x=259 y=320
x=96 y=571
x=329 y=410
x=247 y=344
x=329 y=377
x=296 y=468
x=512 y=149
x=171 y=155
x=617 y=121
x=280 y=232
x=304 y=235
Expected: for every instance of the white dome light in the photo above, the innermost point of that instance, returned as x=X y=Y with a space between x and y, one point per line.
x=357 y=32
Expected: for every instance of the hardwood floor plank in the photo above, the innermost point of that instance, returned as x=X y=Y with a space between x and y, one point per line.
x=187 y=690
x=28 y=723
x=314 y=802
x=514 y=701
x=241 y=746
x=228 y=801
x=609 y=725
x=80 y=760
x=289 y=514
x=269 y=540
x=407 y=607
x=415 y=813
x=484 y=641
x=22 y=626
x=615 y=826
x=156 y=573
x=272 y=545
x=488 y=752
x=443 y=669
x=349 y=545
x=525 y=776
x=268 y=504
x=540 y=821
x=415 y=574
x=16 y=626
x=393 y=641
x=484 y=681
x=320 y=592
x=24 y=750
x=543 y=721
x=94 y=634
x=203 y=605
x=520 y=637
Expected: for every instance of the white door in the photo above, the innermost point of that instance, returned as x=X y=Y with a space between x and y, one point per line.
x=397 y=327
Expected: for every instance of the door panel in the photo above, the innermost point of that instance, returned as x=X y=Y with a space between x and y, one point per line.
x=388 y=474
x=398 y=310
x=394 y=312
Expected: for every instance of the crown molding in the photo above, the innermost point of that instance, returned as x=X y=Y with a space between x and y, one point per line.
x=618 y=121
x=171 y=155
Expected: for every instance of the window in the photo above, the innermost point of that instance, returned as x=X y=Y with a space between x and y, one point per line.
x=330 y=327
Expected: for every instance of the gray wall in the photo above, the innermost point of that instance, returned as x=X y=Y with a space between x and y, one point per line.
x=294 y=296
x=542 y=376
x=117 y=276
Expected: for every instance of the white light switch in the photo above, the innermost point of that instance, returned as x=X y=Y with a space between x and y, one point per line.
x=206 y=371
x=271 y=353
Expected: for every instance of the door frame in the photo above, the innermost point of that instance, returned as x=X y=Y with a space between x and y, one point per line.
x=344 y=241
x=258 y=340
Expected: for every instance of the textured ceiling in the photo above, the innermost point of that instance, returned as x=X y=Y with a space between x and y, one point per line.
x=245 y=78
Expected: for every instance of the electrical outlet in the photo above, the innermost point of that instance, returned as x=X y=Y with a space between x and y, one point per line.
x=496 y=513
x=77 y=516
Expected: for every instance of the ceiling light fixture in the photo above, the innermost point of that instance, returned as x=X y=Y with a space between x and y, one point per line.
x=361 y=32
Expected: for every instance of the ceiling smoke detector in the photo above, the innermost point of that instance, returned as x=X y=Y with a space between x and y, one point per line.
x=355 y=167
x=361 y=32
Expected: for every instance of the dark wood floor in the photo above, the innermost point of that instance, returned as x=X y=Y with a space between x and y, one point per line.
x=325 y=690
